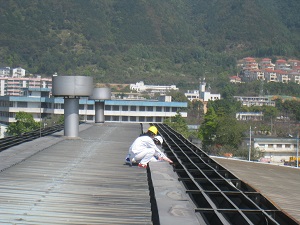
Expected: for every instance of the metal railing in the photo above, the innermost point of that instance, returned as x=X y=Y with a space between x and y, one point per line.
x=11 y=141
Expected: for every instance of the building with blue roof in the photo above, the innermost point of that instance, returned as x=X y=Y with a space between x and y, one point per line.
x=39 y=103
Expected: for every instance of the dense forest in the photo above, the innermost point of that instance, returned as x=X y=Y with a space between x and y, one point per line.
x=169 y=42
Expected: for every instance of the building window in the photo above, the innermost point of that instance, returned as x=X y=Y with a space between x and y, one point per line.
x=124 y=118
x=158 y=119
x=279 y=145
x=150 y=108
x=124 y=108
x=132 y=118
x=174 y=109
x=270 y=145
x=22 y=104
x=90 y=107
x=81 y=107
x=108 y=107
x=107 y=118
x=158 y=109
x=115 y=108
x=167 y=109
x=149 y=119
x=142 y=108
x=90 y=117
x=132 y=108
x=115 y=118
x=142 y=119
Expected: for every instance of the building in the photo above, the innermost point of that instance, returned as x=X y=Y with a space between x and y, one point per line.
x=14 y=86
x=192 y=95
x=276 y=149
x=254 y=116
x=249 y=63
x=203 y=94
x=18 y=72
x=235 y=79
x=282 y=71
x=255 y=101
x=206 y=95
x=5 y=72
x=37 y=101
x=152 y=89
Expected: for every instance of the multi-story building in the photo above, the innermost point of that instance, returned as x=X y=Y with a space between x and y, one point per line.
x=266 y=63
x=249 y=63
x=14 y=85
x=4 y=72
x=270 y=75
x=151 y=89
x=295 y=77
x=18 y=72
x=256 y=74
x=255 y=101
x=282 y=76
x=276 y=149
x=254 y=116
x=37 y=101
x=281 y=64
x=192 y=95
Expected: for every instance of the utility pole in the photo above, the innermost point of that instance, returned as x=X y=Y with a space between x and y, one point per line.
x=249 y=157
x=297 y=150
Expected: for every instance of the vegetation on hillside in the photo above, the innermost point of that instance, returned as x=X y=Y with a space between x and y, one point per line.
x=170 y=42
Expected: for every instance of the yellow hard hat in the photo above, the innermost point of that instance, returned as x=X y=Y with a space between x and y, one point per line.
x=153 y=129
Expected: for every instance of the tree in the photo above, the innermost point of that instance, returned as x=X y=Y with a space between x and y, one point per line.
x=229 y=132
x=179 y=124
x=24 y=123
x=207 y=130
x=178 y=96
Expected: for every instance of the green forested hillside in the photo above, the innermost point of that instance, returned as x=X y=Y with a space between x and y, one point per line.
x=122 y=41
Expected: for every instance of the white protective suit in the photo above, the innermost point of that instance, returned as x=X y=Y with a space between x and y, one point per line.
x=143 y=149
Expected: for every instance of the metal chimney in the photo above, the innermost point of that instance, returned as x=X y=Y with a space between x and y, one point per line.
x=71 y=88
x=99 y=95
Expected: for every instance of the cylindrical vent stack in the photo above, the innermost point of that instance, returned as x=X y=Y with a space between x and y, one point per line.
x=71 y=88
x=99 y=95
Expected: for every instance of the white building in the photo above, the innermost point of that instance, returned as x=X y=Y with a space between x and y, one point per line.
x=255 y=101
x=276 y=149
x=152 y=89
x=5 y=72
x=256 y=116
x=205 y=94
x=18 y=72
x=192 y=94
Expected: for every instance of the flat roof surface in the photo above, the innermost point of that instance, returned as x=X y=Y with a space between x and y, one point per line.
x=279 y=184
x=84 y=180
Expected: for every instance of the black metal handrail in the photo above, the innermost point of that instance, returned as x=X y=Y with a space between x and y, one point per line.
x=11 y=141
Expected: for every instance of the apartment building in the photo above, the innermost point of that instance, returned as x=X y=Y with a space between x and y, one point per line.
x=14 y=86
x=282 y=71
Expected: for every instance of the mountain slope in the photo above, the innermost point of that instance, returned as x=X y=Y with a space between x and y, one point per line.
x=171 y=41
